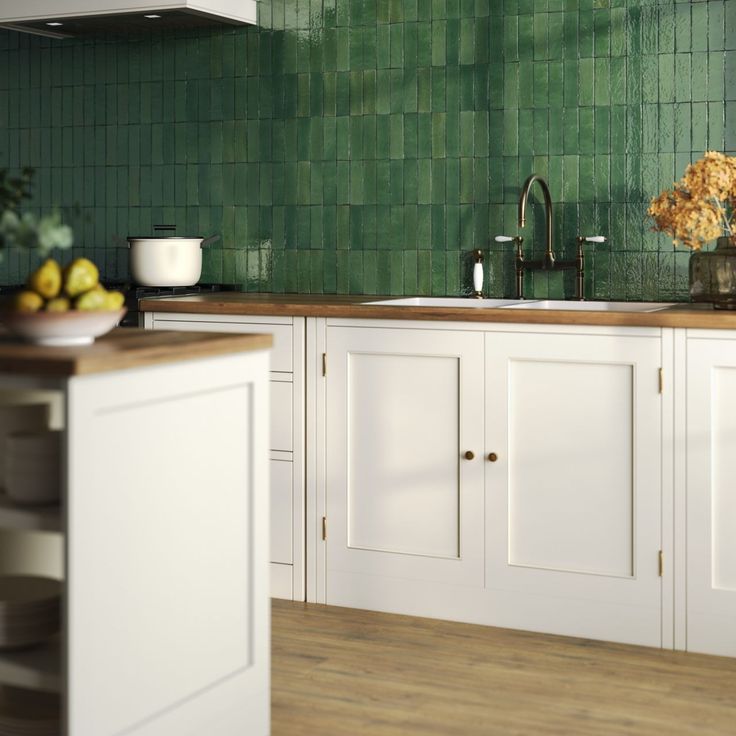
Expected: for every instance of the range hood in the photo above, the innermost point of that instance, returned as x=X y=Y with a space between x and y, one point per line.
x=74 y=18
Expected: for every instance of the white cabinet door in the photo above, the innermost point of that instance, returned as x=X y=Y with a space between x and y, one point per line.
x=711 y=496
x=404 y=506
x=573 y=496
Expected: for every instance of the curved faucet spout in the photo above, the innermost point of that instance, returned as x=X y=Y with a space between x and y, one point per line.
x=549 y=258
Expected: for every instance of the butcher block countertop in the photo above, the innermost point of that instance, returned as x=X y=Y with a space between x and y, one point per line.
x=700 y=316
x=121 y=349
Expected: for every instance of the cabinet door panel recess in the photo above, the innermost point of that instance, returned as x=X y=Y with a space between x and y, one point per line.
x=403 y=465
x=573 y=502
x=711 y=497
x=571 y=490
x=402 y=408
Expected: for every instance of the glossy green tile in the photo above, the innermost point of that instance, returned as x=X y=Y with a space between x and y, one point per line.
x=397 y=129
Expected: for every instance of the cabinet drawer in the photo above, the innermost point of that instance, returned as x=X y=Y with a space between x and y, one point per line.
x=281 y=511
x=282 y=410
x=281 y=354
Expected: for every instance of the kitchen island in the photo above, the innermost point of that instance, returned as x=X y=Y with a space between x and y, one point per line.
x=163 y=529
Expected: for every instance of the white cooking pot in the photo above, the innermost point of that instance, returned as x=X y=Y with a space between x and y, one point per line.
x=170 y=261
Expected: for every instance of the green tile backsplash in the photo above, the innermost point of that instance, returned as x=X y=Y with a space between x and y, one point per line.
x=366 y=146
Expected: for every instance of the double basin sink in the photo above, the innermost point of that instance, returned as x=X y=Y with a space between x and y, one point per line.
x=538 y=304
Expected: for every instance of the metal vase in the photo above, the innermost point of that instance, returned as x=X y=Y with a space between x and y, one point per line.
x=713 y=275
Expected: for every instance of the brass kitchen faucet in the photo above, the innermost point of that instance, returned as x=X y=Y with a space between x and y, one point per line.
x=548 y=262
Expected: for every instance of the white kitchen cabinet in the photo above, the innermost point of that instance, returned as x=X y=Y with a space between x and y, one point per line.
x=602 y=462
x=711 y=492
x=403 y=407
x=560 y=532
x=286 y=433
x=573 y=491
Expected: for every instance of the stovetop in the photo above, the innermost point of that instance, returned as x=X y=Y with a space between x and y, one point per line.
x=146 y=292
x=134 y=293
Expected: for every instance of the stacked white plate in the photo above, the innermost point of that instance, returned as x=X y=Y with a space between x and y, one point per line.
x=30 y=610
x=32 y=464
x=29 y=713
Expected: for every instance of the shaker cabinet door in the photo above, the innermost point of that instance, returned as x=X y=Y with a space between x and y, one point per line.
x=573 y=492
x=404 y=506
x=711 y=496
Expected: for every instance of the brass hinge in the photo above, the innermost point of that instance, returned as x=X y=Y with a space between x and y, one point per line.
x=324 y=528
x=661 y=563
x=324 y=364
x=661 y=380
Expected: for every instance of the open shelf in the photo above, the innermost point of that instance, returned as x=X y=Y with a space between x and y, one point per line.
x=38 y=668
x=40 y=518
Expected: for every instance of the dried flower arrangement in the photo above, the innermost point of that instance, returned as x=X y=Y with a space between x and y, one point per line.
x=701 y=207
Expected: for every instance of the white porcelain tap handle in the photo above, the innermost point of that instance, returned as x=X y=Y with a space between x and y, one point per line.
x=503 y=239
x=595 y=239
x=478 y=277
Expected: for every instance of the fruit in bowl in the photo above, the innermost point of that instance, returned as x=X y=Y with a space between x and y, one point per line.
x=64 y=307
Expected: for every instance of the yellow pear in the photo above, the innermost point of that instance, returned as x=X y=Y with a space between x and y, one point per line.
x=46 y=279
x=60 y=304
x=114 y=300
x=28 y=301
x=79 y=276
x=94 y=300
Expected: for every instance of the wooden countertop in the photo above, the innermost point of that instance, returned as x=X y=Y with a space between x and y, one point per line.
x=701 y=316
x=121 y=349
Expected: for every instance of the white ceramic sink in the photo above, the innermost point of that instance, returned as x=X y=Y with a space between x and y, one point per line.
x=575 y=306
x=545 y=304
x=442 y=301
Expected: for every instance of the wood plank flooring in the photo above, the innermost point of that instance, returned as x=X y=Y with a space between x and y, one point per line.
x=342 y=672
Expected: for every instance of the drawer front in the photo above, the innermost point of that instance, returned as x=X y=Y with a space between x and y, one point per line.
x=282 y=413
x=281 y=354
x=281 y=511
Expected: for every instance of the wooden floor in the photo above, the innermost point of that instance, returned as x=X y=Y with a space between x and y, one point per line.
x=342 y=672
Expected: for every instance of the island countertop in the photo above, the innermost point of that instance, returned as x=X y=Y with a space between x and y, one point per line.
x=121 y=349
x=699 y=316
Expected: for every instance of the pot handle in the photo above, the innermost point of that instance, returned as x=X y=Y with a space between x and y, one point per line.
x=209 y=241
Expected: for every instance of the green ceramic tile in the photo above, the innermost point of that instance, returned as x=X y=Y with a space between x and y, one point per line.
x=383 y=128
x=438 y=90
x=424 y=135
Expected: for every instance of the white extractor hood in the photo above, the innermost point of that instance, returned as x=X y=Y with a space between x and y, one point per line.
x=88 y=17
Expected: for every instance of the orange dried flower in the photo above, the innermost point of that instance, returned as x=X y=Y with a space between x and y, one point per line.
x=699 y=208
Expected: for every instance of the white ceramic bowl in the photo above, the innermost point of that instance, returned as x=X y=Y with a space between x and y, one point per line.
x=32 y=490
x=32 y=467
x=30 y=609
x=30 y=712
x=61 y=328
x=35 y=444
x=20 y=418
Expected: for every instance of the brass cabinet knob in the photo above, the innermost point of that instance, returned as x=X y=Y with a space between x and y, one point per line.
x=469 y=455
x=493 y=457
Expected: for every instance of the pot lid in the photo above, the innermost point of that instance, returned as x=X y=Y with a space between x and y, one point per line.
x=164 y=237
